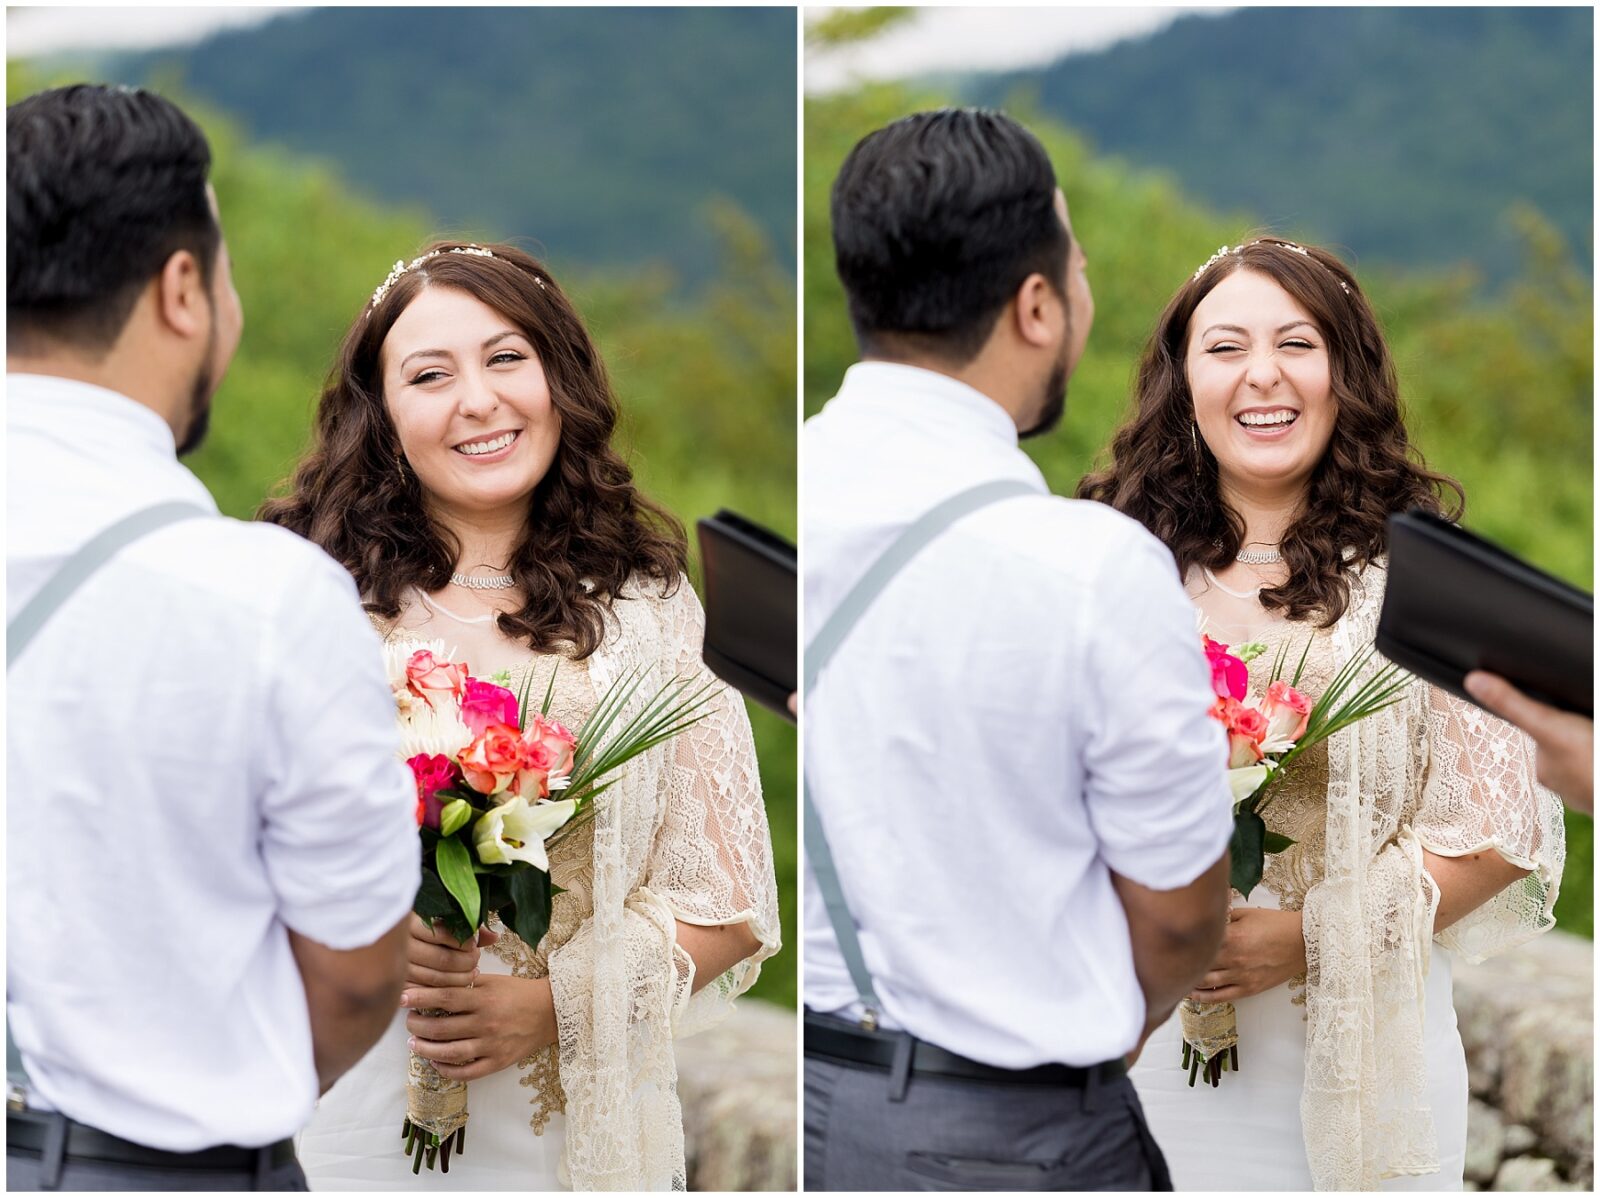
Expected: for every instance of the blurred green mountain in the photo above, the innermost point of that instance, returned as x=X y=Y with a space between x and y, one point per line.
x=1497 y=390
x=1405 y=135
x=596 y=133
x=705 y=380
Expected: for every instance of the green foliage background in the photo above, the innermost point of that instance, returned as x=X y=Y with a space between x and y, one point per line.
x=1497 y=389
x=706 y=381
x=1402 y=134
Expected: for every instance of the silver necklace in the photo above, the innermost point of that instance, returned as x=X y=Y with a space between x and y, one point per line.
x=1259 y=557
x=485 y=582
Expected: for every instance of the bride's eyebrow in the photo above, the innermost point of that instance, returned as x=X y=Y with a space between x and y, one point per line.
x=444 y=353
x=1233 y=328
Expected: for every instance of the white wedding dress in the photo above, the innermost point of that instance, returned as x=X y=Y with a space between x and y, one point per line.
x=1386 y=1107
x=682 y=837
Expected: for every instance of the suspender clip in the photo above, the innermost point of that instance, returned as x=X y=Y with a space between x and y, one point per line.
x=869 y=1019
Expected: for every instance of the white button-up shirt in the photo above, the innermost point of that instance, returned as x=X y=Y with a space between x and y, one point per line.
x=1022 y=711
x=201 y=754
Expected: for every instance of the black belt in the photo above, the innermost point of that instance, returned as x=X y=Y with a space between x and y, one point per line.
x=838 y=1040
x=30 y=1131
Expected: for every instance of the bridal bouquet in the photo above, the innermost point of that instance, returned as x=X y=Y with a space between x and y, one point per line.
x=1266 y=734
x=497 y=783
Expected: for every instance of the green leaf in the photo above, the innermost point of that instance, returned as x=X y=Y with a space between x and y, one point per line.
x=1245 y=851
x=433 y=900
x=1274 y=842
x=530 y=896
x=454 y=862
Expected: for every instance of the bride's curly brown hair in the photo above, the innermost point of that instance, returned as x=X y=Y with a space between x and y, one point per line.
x=354 y=495
x=1164 y=476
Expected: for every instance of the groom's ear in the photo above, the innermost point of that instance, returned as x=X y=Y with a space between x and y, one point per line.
x=183 y=305
x=1039 y=313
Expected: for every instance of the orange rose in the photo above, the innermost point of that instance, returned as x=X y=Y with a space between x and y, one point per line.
x=491 y=762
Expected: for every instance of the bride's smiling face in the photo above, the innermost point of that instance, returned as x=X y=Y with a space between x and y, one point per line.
x=469 y=401
x=1257 y=366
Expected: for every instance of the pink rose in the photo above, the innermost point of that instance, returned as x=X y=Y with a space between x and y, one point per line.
x=494 y=759
x=427 y=675
x=1287 y=712
x=484 y=703
x=1247 y=728
x=1229 y=677
x=433 y=774
x=549 y=750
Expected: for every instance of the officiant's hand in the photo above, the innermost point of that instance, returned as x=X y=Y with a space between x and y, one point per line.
x=1261 y=949
x=434 y=958
x=486 y=1027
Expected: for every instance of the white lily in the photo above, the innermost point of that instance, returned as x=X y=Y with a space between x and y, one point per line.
x=516 y=830
x=1246 y=779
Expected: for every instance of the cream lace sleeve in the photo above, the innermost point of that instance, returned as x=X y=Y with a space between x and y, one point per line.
x=712 y=860
x=622 y=985
x=1480 y=792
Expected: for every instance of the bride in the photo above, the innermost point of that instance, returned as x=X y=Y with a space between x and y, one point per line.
x=1266 y=451
x=463 y=474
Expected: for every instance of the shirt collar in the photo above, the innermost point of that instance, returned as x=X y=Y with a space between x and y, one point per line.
x=51 y=404
x=926 y=395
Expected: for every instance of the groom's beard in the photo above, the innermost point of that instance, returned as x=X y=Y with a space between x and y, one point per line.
x=1054 y=403
x=200 y=398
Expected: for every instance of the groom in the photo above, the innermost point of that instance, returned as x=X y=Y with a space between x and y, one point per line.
x=1017 y=814
x=211 y=852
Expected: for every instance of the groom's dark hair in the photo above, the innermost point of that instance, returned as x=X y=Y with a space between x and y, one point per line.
x=937 y=220
x=103 y=185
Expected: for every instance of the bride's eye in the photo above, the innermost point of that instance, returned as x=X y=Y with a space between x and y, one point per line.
x=1227 y=347
x=507 y=355
x=1298 y=343
x=428 y=376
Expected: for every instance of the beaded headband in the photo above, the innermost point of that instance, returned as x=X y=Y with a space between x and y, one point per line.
x=402 y=266
x=1224 y=251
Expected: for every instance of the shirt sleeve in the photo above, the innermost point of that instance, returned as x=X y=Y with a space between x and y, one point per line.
x=1156 y=789
x=338 y=832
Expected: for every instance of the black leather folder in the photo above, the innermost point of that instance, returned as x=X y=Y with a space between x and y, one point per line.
x=750 y=598
x=1456 y=603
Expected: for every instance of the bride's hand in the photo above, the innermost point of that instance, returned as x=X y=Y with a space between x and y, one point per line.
x=487 y=1026
x=1260 y=950
x=434 y=958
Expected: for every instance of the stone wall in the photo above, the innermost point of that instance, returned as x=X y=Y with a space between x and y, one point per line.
x=1527 y=1021
x=738 y=1085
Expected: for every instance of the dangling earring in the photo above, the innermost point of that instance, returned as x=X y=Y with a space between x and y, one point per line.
x=1194 y=442
x=400 y=468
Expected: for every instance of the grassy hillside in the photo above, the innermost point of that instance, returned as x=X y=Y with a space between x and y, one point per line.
x=601 y=132
x=1406 y=135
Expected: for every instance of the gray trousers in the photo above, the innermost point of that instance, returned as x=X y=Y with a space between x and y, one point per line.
x=950 y=1134
x=27 y=1170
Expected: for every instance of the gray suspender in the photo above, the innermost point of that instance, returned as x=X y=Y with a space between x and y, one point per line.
x=820 y=651
x=20 y=633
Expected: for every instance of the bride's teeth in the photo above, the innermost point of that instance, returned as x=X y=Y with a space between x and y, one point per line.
x=1267 y=418
x=487 y=446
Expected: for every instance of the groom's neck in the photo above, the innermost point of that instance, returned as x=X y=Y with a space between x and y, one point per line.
x=991 y=378
x=111 y=371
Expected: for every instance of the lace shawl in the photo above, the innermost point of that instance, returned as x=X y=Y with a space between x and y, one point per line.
x=1434 y=773
x=682 y=836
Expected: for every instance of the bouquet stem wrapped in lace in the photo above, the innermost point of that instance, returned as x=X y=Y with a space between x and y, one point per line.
x=487 y=768
x=1266 y=734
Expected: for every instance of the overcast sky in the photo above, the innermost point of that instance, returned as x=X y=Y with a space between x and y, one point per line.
x=936 y=39
x=35 y=30
x=965 y=39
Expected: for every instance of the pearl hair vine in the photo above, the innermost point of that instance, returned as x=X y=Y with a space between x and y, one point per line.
x=401 y=267
x=1224 y=251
